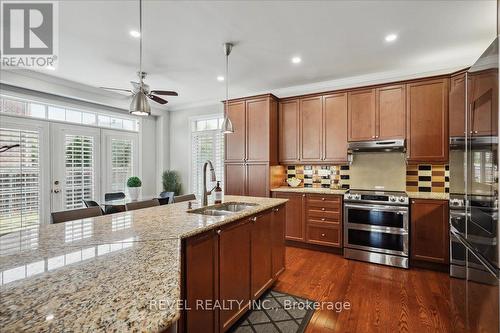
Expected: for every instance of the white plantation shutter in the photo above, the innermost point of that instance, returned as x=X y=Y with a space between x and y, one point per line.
x=79 y=177
x=121 y=163
x=206 y=145
x=19 y=179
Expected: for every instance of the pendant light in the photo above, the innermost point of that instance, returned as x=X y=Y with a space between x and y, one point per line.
x=140 y=105
x=227 y=125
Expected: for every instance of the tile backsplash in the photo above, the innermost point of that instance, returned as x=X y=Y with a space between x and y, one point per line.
x=326 y=176
x=428 y=178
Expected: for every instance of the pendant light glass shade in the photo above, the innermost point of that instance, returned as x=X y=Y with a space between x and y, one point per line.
x=140 y=105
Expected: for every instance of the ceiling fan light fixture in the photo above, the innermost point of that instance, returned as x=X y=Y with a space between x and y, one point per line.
x=140 y=105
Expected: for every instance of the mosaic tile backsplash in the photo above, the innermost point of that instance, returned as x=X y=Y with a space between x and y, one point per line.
x=326 y=176
x=428 y=178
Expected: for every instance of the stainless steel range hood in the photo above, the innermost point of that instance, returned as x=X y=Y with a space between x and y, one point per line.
x=377 y=146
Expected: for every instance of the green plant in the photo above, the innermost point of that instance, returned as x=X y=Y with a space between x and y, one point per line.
x=170 y=182
x=134 y=182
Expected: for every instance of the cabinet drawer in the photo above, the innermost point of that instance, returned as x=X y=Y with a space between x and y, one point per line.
x=320 y=212
x=320 y=204
x=324 y=235
x=323 y=197
x=323 y=220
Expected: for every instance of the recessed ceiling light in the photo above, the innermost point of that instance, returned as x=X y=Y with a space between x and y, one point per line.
x=296 y=60
x=220 y=78
x=135 y=33
x=391 y=37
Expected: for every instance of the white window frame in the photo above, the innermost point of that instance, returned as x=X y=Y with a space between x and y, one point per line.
x=191 y=121
x=43 y=128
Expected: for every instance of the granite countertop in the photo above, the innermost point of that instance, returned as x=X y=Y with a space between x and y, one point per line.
x=319 y=190
x=428 y=195
x=102 y=274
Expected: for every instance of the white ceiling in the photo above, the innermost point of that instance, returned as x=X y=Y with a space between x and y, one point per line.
x=336 y=40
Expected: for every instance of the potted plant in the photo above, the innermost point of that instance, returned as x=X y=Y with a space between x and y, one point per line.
x=134 y=187
x=170 y=182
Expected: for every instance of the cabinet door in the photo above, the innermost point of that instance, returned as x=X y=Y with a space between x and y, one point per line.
x=457 y=105
x=311 y=127
x=427 y=120
x=258 y=130
x=430 y=231
x=335 y=128
x=257 y=180
x=294 y=225
x=201 y=277
x=484 y=103
x=235 y=178
x=361 y=115
x=234 y=271
x=235 y=142
x=289 y=131
x=261 y=249
x=278 y=231
x=391 y=112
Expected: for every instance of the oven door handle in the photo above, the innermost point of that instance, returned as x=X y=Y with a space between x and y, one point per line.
x=379 y=208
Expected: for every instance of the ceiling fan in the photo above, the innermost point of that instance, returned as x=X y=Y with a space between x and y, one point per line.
x=140 y=91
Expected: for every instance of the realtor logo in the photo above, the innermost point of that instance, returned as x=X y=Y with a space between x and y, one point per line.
x=29 y=34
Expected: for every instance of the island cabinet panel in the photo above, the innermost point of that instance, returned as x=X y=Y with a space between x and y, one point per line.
x=278 y=219
x=294 y=225
x=289 y=131
x=261 y=266
x=201 y=279
x=234 y=271
x=391 y=112
x=484 y=103
x=311 y=110
x=430 y=231
x=427 y=120
x=457 y=105
x=361 y=115
x=235 y=144
x=334 y=128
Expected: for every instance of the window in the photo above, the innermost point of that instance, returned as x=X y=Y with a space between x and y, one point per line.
x=207 y=143
x=19 y=107
x=121 y=163
x=19 y=179
x=79 y=170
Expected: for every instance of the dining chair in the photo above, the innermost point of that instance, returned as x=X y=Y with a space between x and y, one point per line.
x=185 y=197
x=114 y=196
x=92 y=203
x=166 y=197
x=75 y=214
x=142 y=204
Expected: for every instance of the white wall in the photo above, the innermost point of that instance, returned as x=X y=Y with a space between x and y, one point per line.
x=180 y=138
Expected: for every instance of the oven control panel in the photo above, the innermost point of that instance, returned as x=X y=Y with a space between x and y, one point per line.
x=377 y=198
x=398 y=199
x=352 y=196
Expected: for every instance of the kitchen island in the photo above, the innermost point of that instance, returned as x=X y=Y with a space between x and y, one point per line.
x=120 y=272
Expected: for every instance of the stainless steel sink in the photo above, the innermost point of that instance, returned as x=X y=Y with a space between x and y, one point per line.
x=224 y=209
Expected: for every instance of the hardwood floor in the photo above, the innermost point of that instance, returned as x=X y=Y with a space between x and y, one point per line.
x=382 y=299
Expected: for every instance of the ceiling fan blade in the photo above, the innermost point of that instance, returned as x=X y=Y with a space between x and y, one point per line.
x=116 y=89
x=164 y=92
x=157 y=99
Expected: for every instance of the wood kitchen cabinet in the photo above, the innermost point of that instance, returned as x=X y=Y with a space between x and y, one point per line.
x=457 y=105
x=294 y=225
x=427 y=120
x=311 y=139
x=334 y=127
x=253 y=146
x=483 y=103
x=289 y=131
x=234 y=274
x=278 y=218
x=377 y=113
x=429 y=231
x=261 y=256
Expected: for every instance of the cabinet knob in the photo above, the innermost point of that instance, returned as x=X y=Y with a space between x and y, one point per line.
x=323 y=235
x=323 y=199
x=253 y=219
x=373 y=136
x=323 y=219
x=323 y=208
x=475 y=132
x=218 y=231
x=413 y=201
x=303 y=195
x=275 y=209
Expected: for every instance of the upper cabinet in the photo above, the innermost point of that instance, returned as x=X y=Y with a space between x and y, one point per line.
x=313 y=129
x=255 y=130
x=483 y=102
x=427 y=120
x=457 y=105
x=377 y=114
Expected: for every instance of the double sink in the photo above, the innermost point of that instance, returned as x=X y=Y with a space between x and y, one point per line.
x=224 y=209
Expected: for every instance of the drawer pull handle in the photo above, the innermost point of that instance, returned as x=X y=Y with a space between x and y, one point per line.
x=323 y=235
x=323 y=199
x=323 y=219
x=323 y=208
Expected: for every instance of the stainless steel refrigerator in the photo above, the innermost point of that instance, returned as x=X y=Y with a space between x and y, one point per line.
x=474 y=231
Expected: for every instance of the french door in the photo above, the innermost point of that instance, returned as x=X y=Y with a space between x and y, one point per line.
x=75 y=160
